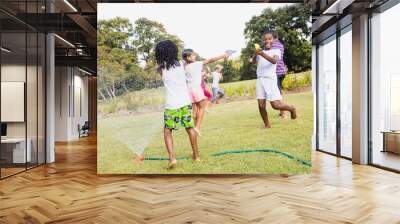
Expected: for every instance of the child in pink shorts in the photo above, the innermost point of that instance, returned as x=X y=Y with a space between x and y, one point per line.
x=194 y=78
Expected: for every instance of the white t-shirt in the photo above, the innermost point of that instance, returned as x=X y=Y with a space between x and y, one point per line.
x=193 y=74
x=177 y=94
x=216 y=77
x=266 y=68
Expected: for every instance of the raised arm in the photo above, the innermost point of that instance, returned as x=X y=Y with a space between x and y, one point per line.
x=254 y=59
x=273 y=59
x=214 y=59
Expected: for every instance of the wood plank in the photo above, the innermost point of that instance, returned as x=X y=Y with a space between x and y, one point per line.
x=70 y=191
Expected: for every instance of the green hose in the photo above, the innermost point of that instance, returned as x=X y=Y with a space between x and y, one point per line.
x=284 y=154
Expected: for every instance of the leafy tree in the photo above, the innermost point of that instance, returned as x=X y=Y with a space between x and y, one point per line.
x=147 y=34
x=114 y=33
x=119 y=46
x=230 y=71
x=292 y=24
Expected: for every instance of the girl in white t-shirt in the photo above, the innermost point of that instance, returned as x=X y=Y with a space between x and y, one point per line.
x=193 y=70
x=178 y=106
x=266 y=85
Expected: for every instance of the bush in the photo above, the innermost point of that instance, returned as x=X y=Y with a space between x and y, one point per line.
x=239 y=89
x=108 y=108
x=298 y=80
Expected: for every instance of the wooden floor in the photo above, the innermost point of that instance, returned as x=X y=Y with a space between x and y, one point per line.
x=70 y=191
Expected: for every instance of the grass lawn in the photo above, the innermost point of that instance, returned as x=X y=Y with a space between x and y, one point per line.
x=228 y=126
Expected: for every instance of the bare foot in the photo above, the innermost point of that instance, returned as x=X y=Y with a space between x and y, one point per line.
x=267 y=126
x=293 y=113
x=138 y=159
x=172 y=164
x=197 y=131
x=196 y=159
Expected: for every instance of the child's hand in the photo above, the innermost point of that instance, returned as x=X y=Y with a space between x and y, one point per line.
x=259 y=51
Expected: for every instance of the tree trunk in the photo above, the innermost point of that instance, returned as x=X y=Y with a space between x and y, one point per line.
x=124 y=86
x=113 y=90
x=102 y=95
x=109 y=93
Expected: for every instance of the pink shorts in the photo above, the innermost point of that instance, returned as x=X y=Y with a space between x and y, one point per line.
x=197 y=94
x=207 y=94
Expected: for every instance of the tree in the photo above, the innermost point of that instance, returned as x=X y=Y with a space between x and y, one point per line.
x=147 y=34
x=119 y=46
x=114 y=33
x=292 y=24
x=230 y=71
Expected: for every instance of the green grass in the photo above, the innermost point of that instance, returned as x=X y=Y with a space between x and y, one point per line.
x=229 y=126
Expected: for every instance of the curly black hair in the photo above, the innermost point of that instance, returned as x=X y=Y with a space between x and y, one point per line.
x=166 y=54
x=186 y=53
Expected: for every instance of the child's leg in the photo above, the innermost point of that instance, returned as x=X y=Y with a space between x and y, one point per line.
x=280 y=86
x=194 y=111
x=169 y=144
x=221 y=93
x=214 y=94
x=201 y=106
x=263 y=112
x=193 y=142
x=279 y=105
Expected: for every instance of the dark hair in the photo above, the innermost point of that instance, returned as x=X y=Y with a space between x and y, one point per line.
x=269 y=32
x=166 y=54
x=186 y=53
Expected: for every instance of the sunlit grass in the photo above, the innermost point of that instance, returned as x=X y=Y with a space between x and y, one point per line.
x=228 y=126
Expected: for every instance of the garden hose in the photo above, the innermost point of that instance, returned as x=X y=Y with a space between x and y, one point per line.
x=303 y=162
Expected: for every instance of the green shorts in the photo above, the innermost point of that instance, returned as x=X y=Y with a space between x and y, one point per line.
x=176 y=118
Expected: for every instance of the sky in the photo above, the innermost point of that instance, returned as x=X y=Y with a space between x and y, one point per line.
x=209 y=29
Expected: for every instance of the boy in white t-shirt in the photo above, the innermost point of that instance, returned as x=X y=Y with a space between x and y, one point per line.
x=267 y=87
x=178 y=106
x=193 y=70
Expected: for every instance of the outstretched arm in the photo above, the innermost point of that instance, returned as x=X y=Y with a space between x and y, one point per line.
x=273 y=59
x=211 y=60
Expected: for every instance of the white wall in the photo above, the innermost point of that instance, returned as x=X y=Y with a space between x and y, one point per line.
x=71 y=87
x=62 y=82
